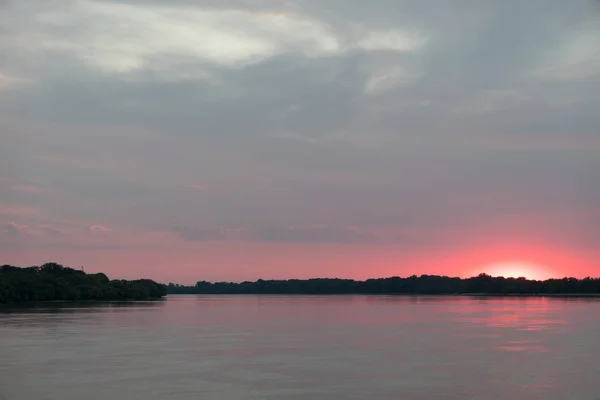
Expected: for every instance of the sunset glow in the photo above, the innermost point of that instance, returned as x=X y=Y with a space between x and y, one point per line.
x=517 y=269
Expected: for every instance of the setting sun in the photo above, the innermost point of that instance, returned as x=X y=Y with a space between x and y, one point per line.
x=517 y=269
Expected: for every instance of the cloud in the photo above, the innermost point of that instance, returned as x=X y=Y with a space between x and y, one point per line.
x=25 y=188
x=293 y=234
x=16 y=230
x=492 y=101
x=123 y=38
x=98 y=230
x=576 y=59
x=299 y=84
x=17 y=210
x=30 y=189
x=204 y=235
x=51 y=231
x=314 y=234
x=39 y=231
x=388 y=79
x=11 y=82
x=391 y=40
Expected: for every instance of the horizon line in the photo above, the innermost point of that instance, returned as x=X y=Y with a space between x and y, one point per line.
x=483 y=274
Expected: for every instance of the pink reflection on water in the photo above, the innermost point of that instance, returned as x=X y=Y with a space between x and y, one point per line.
x=510 y=324
x=531 y=314
x=523 y=345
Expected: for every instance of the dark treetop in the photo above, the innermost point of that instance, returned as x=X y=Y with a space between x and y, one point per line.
x=424 y=284
x=54 y=282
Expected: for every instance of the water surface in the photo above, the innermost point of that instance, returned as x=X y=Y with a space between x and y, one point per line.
x=303 y=347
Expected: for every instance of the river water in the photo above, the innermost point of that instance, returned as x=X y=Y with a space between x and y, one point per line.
x=303 y=347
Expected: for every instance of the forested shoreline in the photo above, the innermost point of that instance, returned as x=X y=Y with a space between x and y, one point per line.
x=54 y=282
x=425 y=284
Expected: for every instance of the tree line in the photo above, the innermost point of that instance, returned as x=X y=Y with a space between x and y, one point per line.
x=53 y=281
x=424 y=284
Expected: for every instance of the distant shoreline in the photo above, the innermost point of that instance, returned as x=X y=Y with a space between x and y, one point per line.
x=516 y=295
x=481 y=285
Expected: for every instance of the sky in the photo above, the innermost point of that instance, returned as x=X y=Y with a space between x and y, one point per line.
x=234 y=140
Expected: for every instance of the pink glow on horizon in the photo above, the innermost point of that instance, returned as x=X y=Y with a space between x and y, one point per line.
x=174 y=261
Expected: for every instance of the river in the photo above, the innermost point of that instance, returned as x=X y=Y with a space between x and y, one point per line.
x=303 y=347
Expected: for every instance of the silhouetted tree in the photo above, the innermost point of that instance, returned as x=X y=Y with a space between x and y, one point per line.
x=52 y=281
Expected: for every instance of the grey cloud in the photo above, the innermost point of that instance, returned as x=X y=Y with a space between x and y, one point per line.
x=97 y=230
x=51 y=231
x=15 y=230
x=471 y=57
x=311 y=234
x=277 y=95
x=26 y=246
x=315 y=234
x=488 y=116
x=200 y=235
